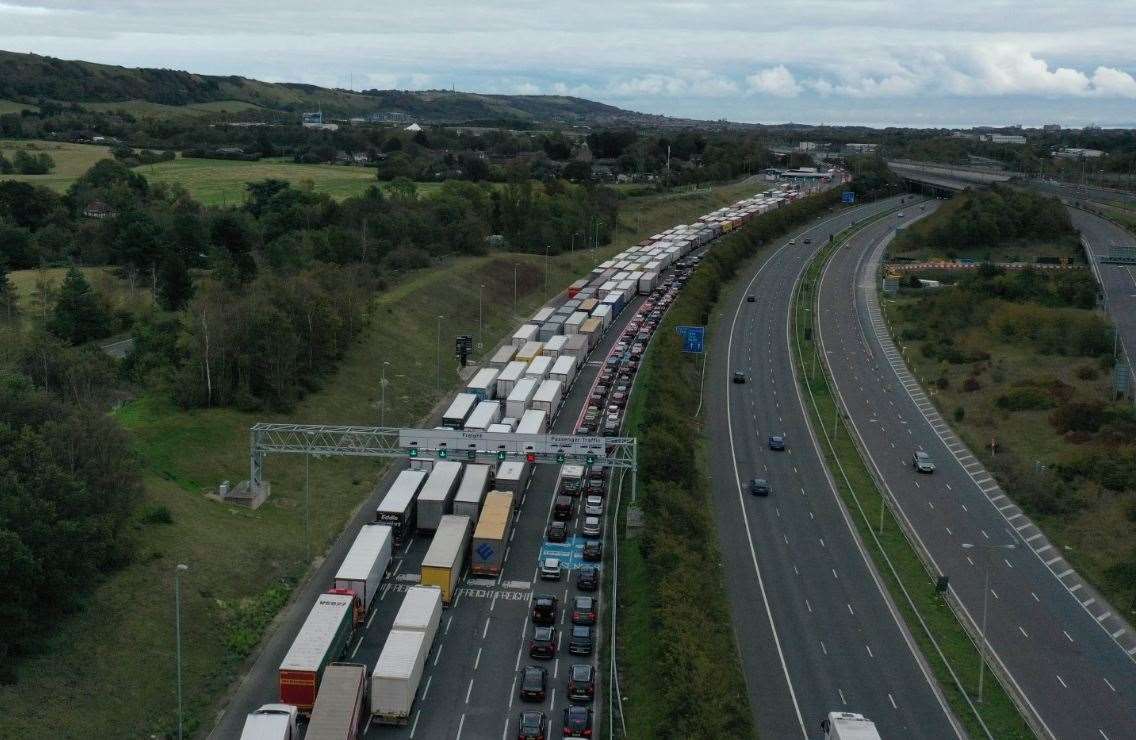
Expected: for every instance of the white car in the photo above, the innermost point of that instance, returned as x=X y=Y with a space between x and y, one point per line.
x=593 y=506
x=591 y=526
x=550 y=569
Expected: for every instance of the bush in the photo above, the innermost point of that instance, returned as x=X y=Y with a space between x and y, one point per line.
x=157 y=514
x=1087 y=372
x=1026 y=398
x=1078 y=416
x=943 y=382
x=960 y=413
x=971 y=384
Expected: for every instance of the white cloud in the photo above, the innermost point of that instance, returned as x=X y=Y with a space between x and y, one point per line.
x=1111 y=82
x=526 y=88
x=683 y=83
x=777 y=81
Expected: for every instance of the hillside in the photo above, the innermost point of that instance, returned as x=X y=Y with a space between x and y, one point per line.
x=29 y=78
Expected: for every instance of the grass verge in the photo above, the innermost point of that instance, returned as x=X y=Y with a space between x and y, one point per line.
x=114 y=661
x=951 y=654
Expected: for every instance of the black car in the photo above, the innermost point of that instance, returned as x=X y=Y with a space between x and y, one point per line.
x=593 y=551
x=739 y=376
x=776 y=442
x=581 y=682
x=580 y=641
x=543 y=644
x=557 y=532
x=533 y=681
x=751 y=298
x=532 y=726
x=577 y=722
x=544 y=609
x=584 y=610
x=759 y=487
x=587 y=579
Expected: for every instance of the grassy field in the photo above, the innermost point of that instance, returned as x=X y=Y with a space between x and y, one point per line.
x=240 y=560
x=71 y=160
x=11 y=106
x=147 y=109
x=951 y=654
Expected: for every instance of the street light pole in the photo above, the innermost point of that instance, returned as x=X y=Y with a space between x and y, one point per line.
x=514 y=288
x=307 y=508
x=181 y=568
x=480 y=288
x=383 y=396
x=438 y=356
x=985 y=606
x=546 y=266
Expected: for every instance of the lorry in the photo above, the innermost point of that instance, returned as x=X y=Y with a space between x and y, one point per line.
x=272 y=722
x=539 y=367
x=443 y=563
x=564 y=370
x=508 y=378
x=397 y=508
x=492 y=534
x=460 y=409
x=526 y=333
x=530 y=350
x=503 y=356
x=547 y=397
x=484 y=414
x=520 y=397
x=512 y=475
x=578 y=346
x=533 y=421
x=421 y=611
x=484 y=383
x=362 y=570
x=554 y=345
x=471 y=491
x=321 y=640
x=394 y=682
x=435 y=500
x=340 y=710
x=848 y=726
x=570 y=481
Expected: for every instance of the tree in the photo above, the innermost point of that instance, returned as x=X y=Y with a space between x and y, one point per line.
x=80 y=314
x=8 y=309
x=578 y=171
x=175 y=286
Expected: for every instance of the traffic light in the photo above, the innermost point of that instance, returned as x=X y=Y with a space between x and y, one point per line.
x=590 y=459
x=530 y=456
x=560 y=457
x=413 y=451
x=471 y=453
x=442 y=451
x=501 y=454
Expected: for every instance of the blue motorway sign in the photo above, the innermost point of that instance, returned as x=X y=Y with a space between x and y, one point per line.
x=693 y=338
x=847 y=197
x=485 y=551
x=569 y=553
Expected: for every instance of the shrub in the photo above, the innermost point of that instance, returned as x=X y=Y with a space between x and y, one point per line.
x=157 y=514
x=1026 y=398
x=1078 y=416
x=960 y=413
x=971 y=384
x=943 y=383
x=1087 y=372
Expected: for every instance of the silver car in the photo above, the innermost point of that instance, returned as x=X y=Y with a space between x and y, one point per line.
x=593 y=506
x=922 y=463
x=591 y=526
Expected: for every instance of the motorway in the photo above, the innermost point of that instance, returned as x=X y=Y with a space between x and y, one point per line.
x=817 y=631
x=1117 y=281
x=1066 y=651
x=468 y=687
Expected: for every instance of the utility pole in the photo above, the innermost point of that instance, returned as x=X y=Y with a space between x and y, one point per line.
x=383 y=395
x=480 y=288
x=181 y=568
x=514 y=288
x=547 y=262
x=307 y=506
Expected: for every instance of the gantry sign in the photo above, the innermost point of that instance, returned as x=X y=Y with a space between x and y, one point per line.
x=440 y=444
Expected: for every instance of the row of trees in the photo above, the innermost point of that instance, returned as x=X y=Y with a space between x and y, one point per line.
x=24 y=162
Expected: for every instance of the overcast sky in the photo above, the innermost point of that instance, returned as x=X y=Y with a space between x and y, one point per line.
x=814 y=61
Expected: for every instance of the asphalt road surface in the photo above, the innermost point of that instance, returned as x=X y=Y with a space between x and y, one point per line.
x=816 y=629
x=1058 y=639
x=1117 y=281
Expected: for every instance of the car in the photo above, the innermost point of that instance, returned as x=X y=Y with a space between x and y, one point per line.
x=550 y=569
x=808 y=240
x=580 y=640
x=591 y=526
x=739 y=376
x=583 y=610
x=759 y=487
x=613 y=360
x=610 y=427
x=577 y=721
x=585 y=430
x=751 y=298
x=587 y=578
x=532 y=726
x=544 y=609
x=543 y=643
x=534 y=679
x=922 y=462
x=557 y=532
x=792 y=241
x=643 y=336
x=593 y=506
x=776 y=442
x=899 y=215
x=593 y=551
x=562 y=508
x=619 y=399
x=581 y=682
x=637 y=348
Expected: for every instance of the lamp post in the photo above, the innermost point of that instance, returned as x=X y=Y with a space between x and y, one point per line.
x=514 y=288
x=438 y=356
x=480 y=288
x=985 y=605
x=307 y=503
x=383 y=395
x=547 y=262
x=181 y=568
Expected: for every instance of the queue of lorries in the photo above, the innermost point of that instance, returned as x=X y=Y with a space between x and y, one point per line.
x=469 y=508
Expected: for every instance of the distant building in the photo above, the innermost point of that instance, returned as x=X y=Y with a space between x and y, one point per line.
x=98 y=209
x=806 y=146
x=315 y=120
x=1004 y=138
x=1051 y=128
x=1078 y=153
x=862 y=148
